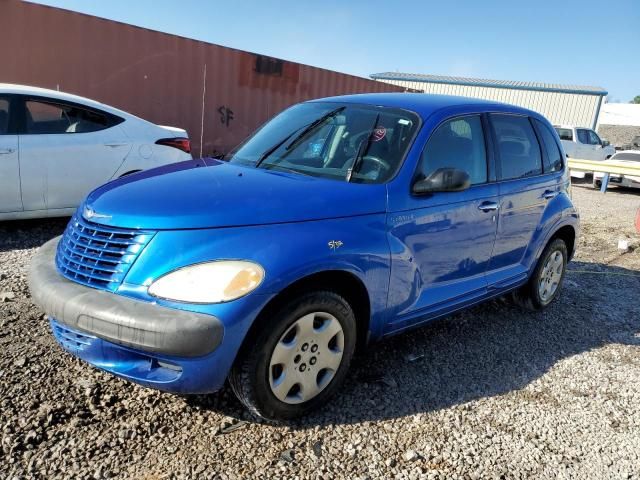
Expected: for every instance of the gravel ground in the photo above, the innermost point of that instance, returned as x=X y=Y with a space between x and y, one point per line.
x=490 y=393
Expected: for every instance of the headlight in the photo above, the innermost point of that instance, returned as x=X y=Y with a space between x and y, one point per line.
x=211 y=282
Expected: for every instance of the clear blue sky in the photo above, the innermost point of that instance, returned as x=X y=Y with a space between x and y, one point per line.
x=585 y=42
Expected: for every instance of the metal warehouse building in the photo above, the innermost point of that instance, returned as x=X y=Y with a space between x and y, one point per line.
x=561 y=104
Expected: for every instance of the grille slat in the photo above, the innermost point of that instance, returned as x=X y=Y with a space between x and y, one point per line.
x=98 y=256
x=115 y=251
x=73 y=249
x=115 y=241
x=102 y=265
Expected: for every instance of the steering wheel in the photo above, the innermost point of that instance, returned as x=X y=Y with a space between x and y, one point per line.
x=382 y=165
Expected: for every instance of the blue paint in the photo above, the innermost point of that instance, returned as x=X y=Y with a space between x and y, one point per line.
x=419 y=257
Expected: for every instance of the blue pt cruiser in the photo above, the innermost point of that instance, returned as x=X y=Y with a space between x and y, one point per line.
x=339 y=222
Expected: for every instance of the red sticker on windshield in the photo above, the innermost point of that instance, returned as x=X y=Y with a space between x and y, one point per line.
x=378 y=134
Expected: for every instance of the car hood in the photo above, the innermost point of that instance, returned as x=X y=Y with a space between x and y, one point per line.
x=209 y=193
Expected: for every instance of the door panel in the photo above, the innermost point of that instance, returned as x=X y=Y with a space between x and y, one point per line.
x=67 y=150
x=440 y=252
x=59 y=170
x=522 y=203
x=441 y=247
x=587 y=151
x=524 y=193
x=10 y=200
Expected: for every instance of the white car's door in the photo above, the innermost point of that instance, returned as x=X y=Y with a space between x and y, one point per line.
x=586 y=150
x=66 y=150
x=599 y=152
x=10 y=200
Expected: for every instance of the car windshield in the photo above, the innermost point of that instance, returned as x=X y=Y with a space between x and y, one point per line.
x=348 y=142
x=629 y=156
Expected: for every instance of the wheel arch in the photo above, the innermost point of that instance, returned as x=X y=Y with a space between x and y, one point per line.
x=341 y=282
x=567 y=234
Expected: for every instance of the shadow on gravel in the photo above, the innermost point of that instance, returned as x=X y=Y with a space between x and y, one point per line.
x=492 y=349
x=24 y=234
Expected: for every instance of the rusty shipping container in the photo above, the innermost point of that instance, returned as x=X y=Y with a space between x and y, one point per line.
x=218 y=94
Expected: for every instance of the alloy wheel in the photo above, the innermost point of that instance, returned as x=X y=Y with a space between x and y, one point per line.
x=306 y=357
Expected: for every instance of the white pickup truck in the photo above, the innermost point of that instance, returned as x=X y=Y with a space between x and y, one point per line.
x=584 y=144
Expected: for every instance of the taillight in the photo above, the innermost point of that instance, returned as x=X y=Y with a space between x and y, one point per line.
x=180 y=143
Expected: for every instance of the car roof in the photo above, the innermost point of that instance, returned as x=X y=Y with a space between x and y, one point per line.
x=9 y=88
x=423 y=104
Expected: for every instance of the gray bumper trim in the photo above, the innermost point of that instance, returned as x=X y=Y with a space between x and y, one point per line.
x=118 y=319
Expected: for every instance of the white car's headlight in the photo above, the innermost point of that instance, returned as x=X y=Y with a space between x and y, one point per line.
x=211 y=282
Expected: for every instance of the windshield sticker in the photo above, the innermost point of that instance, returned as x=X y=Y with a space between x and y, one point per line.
x=378 y=134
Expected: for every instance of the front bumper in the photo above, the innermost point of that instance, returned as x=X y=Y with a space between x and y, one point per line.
x=143 y=326
x=156 y=346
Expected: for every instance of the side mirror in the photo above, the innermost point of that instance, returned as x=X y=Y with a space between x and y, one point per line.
x=605 y=143
x=442 y=180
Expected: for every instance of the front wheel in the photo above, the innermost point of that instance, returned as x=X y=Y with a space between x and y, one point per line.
x=298 y=358
x=545 y=283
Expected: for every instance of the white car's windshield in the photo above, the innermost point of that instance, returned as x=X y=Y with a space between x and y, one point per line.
x=629 y=156
x=349 y=142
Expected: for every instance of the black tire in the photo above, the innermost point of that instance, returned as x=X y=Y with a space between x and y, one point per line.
x=528 y=296
x=249 y=376
x=597 y=184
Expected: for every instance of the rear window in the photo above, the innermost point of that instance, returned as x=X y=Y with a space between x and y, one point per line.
x=565 y=133
x=53 y=117
x=518 y=150
x=553 y=157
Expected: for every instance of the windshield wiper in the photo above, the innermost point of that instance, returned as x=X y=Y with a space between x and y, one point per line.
x=300 y=136
x=268 y=152
x=362 y=149
x=313 y=125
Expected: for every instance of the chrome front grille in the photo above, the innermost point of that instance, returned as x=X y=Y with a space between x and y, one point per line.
x=96 y=255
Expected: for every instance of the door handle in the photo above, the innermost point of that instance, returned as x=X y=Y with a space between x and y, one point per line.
x=4 y=151
x=488 y=206
x=548 y=195
x=114 y=145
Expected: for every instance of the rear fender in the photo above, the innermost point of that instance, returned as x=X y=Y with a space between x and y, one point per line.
x=558 y=213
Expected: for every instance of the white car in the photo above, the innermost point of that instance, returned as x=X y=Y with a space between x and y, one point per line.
x=56 y=147
x=630 y=157
x=584 y=144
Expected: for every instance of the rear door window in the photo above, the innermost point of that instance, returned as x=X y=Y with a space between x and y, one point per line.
x=553 y=158
x=457 y=143
x=4 y=116
x=517 y=147
x=565 y=133
x=53 y=117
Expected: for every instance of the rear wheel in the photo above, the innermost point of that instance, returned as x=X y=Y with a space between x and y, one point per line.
x=299 y=360
x=545 y=283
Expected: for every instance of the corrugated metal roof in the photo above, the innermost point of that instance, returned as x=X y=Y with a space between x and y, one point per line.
x=482 y=82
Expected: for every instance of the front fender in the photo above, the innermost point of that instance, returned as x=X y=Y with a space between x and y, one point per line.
x=288 y=252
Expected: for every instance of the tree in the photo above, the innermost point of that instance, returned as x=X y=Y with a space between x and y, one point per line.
x=636 y=99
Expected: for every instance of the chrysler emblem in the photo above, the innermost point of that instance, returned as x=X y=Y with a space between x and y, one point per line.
x=90 y=213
